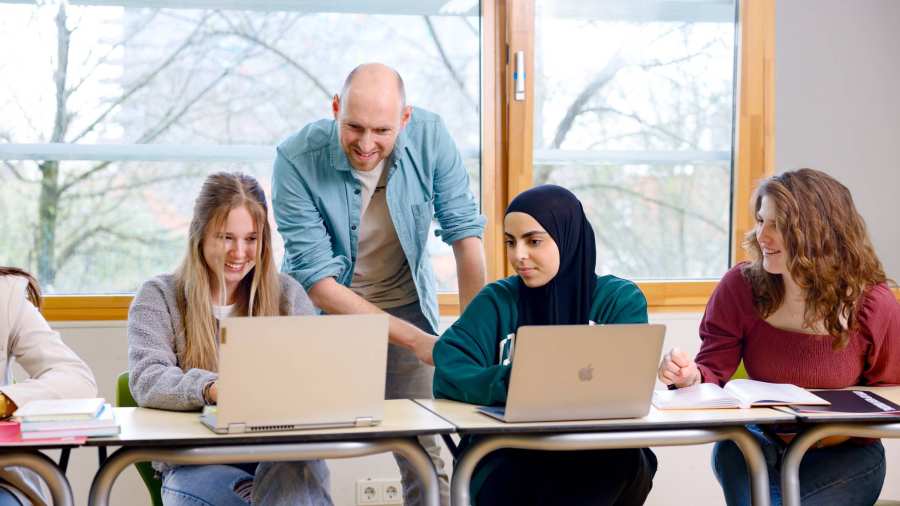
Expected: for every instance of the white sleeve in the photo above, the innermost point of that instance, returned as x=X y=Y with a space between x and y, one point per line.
x=54 y=370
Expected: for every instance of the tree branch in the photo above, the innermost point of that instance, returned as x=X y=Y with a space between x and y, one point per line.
x=641 y=121
x=447 y=63
x=661 y=203
x=60 y=121
x=613 y=66
x=150 y=76
x=103 y=59
x=281 y=54
x=131 y=186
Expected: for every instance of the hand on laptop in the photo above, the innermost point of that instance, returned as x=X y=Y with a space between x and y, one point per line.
x=677 y=368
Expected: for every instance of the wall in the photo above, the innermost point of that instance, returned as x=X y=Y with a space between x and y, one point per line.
x=103 y=346
x=836 y=106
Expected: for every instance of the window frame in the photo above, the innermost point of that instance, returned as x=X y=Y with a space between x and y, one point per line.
x=507 y=155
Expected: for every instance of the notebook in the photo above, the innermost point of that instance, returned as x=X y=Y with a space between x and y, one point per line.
x=60 y=409
x=581 y=372
x=851 y=404
x=299 y=372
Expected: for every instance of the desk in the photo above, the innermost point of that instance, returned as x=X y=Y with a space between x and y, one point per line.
x=658 y=428
x=28 y=456
x=824 y=425
x=180 y=438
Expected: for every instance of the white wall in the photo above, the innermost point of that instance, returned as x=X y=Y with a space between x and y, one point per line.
x=103 y=346
x=837 y=69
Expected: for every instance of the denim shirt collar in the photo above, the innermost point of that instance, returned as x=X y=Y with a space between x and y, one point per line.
x=339 y=158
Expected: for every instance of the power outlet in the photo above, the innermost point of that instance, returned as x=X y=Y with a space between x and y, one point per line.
x=392 y=492
x=379 y=491
x=368 y=491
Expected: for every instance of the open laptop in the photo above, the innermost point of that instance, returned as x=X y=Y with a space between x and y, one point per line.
x=299 y=372
x=581 y=372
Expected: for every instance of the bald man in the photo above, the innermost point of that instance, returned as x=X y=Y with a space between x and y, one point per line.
x=354 y=198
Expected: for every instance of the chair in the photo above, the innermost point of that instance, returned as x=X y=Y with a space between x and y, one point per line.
x=741 y=372
x=124 y=399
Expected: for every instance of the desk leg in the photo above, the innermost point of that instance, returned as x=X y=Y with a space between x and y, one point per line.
x=790 y=466
x=123 y=457
x=60 y=490
x=462 y=474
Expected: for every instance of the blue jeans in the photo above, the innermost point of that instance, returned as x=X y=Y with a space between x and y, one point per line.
x=274 y=483
x=846 y=474
x=8 y=499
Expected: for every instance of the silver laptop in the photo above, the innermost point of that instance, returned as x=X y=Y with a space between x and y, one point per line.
x=300 y=372
x=581 y=372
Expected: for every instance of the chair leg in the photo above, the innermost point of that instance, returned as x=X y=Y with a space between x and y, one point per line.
x=101 y=455
x=451 y=445
x=64 y=459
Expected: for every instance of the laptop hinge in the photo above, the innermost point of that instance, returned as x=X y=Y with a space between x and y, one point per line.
x=237 y=428
x=364 y=421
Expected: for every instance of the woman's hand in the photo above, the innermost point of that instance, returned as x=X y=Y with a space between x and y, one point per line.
x=677 y=368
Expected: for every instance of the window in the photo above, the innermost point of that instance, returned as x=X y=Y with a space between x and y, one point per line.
x=633 y=111
x=116 y=113
x=237 y=76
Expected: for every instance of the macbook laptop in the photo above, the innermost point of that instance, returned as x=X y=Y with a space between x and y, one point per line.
x=581 y=372
x=299 y=372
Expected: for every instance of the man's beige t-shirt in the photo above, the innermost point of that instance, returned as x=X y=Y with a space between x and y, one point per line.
x=382 y=275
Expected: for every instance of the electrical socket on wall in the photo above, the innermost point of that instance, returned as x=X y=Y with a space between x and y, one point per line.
x=378 y=491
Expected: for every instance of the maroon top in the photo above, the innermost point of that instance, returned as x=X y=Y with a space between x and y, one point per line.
x=731 y=329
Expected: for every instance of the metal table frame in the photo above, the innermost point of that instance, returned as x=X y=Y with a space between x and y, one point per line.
x=60 y=489
x=269 y=452
x=635 y=438
x=790 y=466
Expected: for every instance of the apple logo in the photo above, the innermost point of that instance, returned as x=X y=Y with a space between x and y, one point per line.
x=586 y=373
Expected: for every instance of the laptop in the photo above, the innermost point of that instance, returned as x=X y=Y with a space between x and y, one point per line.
x=299 y=372
x=581 y=372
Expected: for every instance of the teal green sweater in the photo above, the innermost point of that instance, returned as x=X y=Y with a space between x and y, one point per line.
x=465 y=357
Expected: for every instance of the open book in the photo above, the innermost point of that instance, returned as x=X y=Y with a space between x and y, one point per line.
x=739 y=393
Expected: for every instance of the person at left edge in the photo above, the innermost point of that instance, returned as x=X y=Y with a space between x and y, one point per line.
x=54 y=372
x=354 y=198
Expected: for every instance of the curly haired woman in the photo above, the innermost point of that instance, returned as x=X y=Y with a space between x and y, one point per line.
x=811 y=308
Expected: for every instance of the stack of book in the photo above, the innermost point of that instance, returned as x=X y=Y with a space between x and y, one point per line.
x=62 y=418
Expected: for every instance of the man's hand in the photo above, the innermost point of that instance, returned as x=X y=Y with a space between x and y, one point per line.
x=677 y=368
x=423 y=345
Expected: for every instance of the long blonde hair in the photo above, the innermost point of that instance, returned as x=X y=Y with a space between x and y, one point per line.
x=258 y=293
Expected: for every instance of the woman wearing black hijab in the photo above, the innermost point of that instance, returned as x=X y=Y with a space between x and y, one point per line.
x=550 y=243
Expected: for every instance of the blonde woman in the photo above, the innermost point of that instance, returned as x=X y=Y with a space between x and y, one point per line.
x=54 y=370
x=228 y=269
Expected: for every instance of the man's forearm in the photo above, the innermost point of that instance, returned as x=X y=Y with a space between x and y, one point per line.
x=335 y=298
x=470 y=270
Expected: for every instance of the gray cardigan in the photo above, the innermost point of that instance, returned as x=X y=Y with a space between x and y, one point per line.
x=156 y=339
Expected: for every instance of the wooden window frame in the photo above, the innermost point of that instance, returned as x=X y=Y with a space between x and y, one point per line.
x=507 y=153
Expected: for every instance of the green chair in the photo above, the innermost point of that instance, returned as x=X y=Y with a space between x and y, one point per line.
x=124 y=399
x=740 y=373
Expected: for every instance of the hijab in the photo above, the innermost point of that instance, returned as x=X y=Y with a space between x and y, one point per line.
x=567 y=298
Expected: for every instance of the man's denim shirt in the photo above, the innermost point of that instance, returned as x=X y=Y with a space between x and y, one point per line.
x=316 y=200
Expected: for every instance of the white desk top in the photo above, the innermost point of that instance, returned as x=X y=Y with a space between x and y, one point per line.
x=153 y=427
x=468 y=420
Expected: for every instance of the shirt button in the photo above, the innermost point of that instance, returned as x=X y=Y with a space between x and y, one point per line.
x=356 y=191
x=352 y=227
